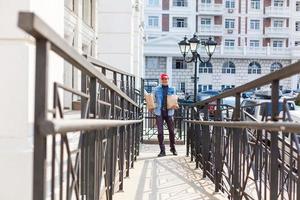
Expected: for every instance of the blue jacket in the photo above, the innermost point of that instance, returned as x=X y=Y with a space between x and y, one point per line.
x=158 y=94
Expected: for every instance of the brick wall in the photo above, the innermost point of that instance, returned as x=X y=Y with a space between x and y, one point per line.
x=218 y=20
x=165 y=22
x=165 y=4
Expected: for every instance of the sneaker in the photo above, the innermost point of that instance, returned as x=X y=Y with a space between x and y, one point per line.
x=173 y=150
x=161 y=154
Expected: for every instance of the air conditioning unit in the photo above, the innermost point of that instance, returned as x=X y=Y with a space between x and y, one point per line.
x=230 y=10
x=229 y=31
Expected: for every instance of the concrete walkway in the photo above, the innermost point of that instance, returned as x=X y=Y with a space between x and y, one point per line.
x=167 y=178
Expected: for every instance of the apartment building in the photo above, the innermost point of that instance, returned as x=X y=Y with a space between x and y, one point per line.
x=255 y=37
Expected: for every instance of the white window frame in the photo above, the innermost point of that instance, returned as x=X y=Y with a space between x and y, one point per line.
x=277 y=43
x=154 y=21
x=206 y=1
x=278 y=3
x=203 y=88
x=229 y=43
x=180 y=3
x=230 y=4
x=184 y=23
x=254 y=43
x=255 y=4
x=229 y=23
x=297 y=26
x=297 y=6
x=278 y=23
x=153 y=3
x=254 y=24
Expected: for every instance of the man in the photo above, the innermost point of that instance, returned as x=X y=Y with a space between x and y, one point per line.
x=163 y=114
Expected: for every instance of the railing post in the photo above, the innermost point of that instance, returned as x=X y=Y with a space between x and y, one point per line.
x=218 y=155
x=205 y=142
x=91 y=140
x=274 y=143
x=84 y=147
x=40 y=114
x=197 y=138
x=122 y=146
x=236 y=150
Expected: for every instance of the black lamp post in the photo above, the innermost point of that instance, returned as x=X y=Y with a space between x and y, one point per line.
x=192 y=45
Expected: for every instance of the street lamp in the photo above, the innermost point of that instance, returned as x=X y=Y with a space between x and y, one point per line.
x=192 y=45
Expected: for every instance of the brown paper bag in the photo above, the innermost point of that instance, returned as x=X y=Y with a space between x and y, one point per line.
x=150 y=101
x=172 y=101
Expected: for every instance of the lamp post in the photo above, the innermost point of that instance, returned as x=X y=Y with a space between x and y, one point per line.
x=192 y=45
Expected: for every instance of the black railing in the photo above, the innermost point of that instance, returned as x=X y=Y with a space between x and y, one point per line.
x=86 y=157
x=248 y=157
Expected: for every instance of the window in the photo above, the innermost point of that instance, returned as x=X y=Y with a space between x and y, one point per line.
x=229 y=23
x=180 y=3
x=254 y=24
x=278 y=3
x=205 y=68
x=298 y=6
x=297 y=26
x=297 y=43
x=153 y=21
x=275 y=66
x=180 y=22
x=181 y=87
x=156 y=62
x=278 y=23
x=206 y=1
x=203 y=88
x=254 y=43
x=229 y=43
x=255 y=4
x=87 y=12
x=230 y=3
x=205 y=21
x=277 y=43
x=223 y=87
x=153 y=3
x=150 y=84
x=178 y=63
x=254 y=68
x=228 y=68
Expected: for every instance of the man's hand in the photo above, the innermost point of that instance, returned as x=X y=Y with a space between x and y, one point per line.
x=175 y=107
x=151 y=109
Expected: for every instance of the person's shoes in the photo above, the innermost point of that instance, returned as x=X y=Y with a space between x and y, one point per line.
x=173 y=150
x=161 y=154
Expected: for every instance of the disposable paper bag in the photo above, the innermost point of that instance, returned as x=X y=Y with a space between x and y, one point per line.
x=172 y=101
x=150 y=101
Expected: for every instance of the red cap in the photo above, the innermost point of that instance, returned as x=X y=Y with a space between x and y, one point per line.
x=162 y=76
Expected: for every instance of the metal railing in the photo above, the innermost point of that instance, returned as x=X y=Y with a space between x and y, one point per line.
x=88 y=157
x=247 y=157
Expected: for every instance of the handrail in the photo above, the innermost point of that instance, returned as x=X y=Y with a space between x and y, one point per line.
x=271 y=126
x=106 y=66
x=36 y=27
x=285 y=72
x=54 y=126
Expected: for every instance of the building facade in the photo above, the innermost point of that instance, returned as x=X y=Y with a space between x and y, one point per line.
x=254 y=37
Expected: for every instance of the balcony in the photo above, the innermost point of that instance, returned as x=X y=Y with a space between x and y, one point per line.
x=210 y=30
x=210 y=9
x=273 y=11
x=281 y=32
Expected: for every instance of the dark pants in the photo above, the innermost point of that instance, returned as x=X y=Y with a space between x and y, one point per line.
x=170 y=123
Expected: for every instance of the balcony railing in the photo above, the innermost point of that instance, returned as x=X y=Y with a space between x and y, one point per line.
x=273 y=11
x=277 y=32
x=87 y=157
x=210 y=9
x=210 y=29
